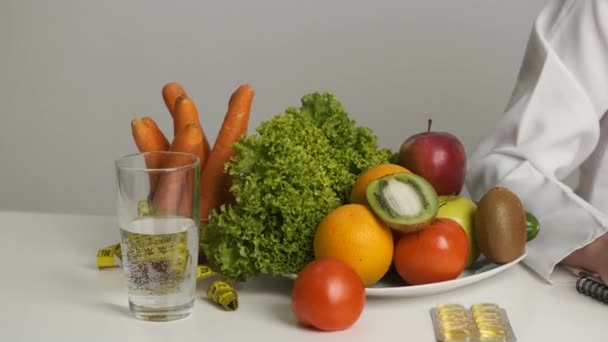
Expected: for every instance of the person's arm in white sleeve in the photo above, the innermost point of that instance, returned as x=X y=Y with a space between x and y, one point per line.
x=550 y=127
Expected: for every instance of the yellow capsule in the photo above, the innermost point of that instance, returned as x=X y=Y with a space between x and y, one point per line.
x=453 y=316
x=490 y=325
x=445 y=313
x=455 y=326
x=451 y=308
x=486 y=314
x=482 y=310
x=454 y=319
x=456 y=335
x=492 y=333
x=450 y=313
x=484 y=306
x=488 y=317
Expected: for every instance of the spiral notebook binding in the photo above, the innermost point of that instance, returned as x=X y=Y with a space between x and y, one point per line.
x=592 y=288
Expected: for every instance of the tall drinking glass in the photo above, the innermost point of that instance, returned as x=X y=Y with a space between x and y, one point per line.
x=158 y=217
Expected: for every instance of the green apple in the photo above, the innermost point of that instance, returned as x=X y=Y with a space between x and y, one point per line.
x=462 y=210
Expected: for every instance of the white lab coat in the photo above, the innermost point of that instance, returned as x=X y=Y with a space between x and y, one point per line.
x=554 y=124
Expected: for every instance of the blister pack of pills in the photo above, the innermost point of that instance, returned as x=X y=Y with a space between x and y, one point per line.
x=482 y=322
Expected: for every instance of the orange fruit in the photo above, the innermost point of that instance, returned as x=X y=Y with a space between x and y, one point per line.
x=357 y=194
x=351 y=233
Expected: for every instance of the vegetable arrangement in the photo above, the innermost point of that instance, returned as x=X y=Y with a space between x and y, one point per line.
x=300 y=165
x=262 y=196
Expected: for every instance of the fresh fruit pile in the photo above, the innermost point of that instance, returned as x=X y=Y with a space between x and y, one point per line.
x=408 y=214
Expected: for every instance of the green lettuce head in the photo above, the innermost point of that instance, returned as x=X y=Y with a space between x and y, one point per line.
x=295 y=169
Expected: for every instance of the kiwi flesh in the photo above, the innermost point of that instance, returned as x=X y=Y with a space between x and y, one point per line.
x=500 y=225
x=404 y=201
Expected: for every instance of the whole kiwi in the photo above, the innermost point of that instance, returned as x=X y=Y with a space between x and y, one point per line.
x=500 y=225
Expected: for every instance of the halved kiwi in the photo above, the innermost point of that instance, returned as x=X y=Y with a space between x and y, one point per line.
x=404 y=201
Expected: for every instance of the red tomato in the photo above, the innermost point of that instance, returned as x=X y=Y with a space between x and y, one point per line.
x=436 y=253
x=328 y=295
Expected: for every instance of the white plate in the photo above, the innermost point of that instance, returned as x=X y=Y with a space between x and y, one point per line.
x=482 y=269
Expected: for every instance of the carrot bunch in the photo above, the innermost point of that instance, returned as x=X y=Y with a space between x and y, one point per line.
x=168 y=192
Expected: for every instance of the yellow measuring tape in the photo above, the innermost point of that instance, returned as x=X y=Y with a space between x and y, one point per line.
x=173 y=254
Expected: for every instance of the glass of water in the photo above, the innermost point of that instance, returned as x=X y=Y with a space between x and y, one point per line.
x=158 y=216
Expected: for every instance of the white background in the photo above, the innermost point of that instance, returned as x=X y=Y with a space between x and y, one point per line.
x=74 y=73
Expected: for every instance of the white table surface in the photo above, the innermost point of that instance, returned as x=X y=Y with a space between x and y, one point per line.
x=52 y=291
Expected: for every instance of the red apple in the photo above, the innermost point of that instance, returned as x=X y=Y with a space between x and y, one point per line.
x=439 y=157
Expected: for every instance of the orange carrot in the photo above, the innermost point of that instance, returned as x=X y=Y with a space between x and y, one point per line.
x=215 y=183
x=149 y=138
x=185 y=114
x=186 y=202
x=171 y=186
x=171 y=91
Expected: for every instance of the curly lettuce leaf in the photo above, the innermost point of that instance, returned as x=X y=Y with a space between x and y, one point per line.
x=355 y=147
